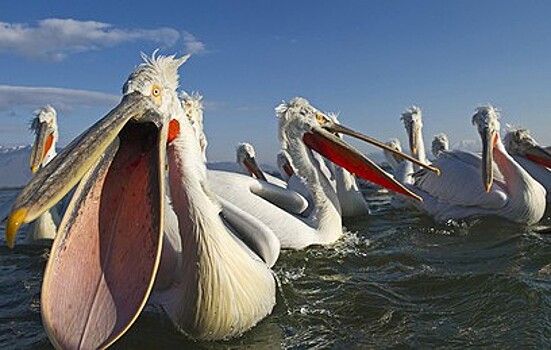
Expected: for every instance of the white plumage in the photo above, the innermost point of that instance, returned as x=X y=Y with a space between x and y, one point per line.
x=44 y=125
x=440 y=143
x=215 y=287
x=535 y=159
x=459 y=192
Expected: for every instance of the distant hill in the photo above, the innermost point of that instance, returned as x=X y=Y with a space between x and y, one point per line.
x=14 y=166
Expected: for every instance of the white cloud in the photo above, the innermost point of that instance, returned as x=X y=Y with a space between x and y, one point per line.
x=468 y=145
x=62 y=99
x=53 y=39
x=191 y=44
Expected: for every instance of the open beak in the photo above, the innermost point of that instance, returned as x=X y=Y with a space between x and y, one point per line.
x=42 y=145
x=344 y=155
x=489 y=138
x=539 y=155
x=338 y=128
x=106 y=253
x=254 y=169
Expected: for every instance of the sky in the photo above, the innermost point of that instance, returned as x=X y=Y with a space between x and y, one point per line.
x=366 y=60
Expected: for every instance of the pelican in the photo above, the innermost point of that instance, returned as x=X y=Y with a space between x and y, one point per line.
x=44 y=125
x=304 y=129
x=112 y=243
x=507 y=190
x=403 y=170
x=535 y=159
x=440 y=144
x=246 y=158
x=351 y=200
x=287 y=172
x=413 y=122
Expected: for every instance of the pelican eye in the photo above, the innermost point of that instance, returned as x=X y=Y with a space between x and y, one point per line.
x=156 y=91
x=321 y=118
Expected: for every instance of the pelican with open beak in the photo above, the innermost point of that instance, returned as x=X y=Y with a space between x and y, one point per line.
x=107 y=251
x=304 y=130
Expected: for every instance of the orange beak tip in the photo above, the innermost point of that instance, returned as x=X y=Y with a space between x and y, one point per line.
x=488 y=187
x=15 y=220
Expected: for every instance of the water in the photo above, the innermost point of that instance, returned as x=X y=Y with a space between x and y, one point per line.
x=395 y=280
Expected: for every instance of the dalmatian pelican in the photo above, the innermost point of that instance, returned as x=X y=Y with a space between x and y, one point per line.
x=44 y=125
x=413 y=122
x=506 y=189
x=304 y=129
x=440 y=144
x=535 y=159
x=113 y=244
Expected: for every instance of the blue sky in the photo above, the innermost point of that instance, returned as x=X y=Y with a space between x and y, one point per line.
x=368 y=60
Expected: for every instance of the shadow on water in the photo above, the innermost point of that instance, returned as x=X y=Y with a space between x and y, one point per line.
x=396 y=279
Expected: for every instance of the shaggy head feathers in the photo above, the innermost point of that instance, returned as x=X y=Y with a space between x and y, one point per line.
x=244 y=150
x=440 y=143
x=412 y=115
x=46 y=114
x=162 y=70
x=519 y=141
x=486 y=117
x=296 y=118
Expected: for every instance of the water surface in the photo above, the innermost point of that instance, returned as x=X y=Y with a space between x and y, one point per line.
x=395 y=280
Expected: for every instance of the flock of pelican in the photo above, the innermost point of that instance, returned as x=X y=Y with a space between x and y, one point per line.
x=150 y=221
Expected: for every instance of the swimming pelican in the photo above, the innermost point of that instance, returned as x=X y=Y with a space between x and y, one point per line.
x=44 y=125
x=413 y=122
x=440 y=144
x=109 y=249
x=402 y=170
x=294 y=182
x=351 y=200
x=304 y=129
x=535 y=159
x=458 y=193
x=246 y=158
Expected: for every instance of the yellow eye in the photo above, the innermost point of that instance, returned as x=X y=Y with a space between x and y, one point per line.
x=155 y=91
x=320 y=118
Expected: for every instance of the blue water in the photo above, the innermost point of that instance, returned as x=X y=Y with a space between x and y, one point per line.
x=395 y=280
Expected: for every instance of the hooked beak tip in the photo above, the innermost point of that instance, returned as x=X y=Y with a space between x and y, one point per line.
x=34 y=169
x=488 y=187
x=15 y=220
